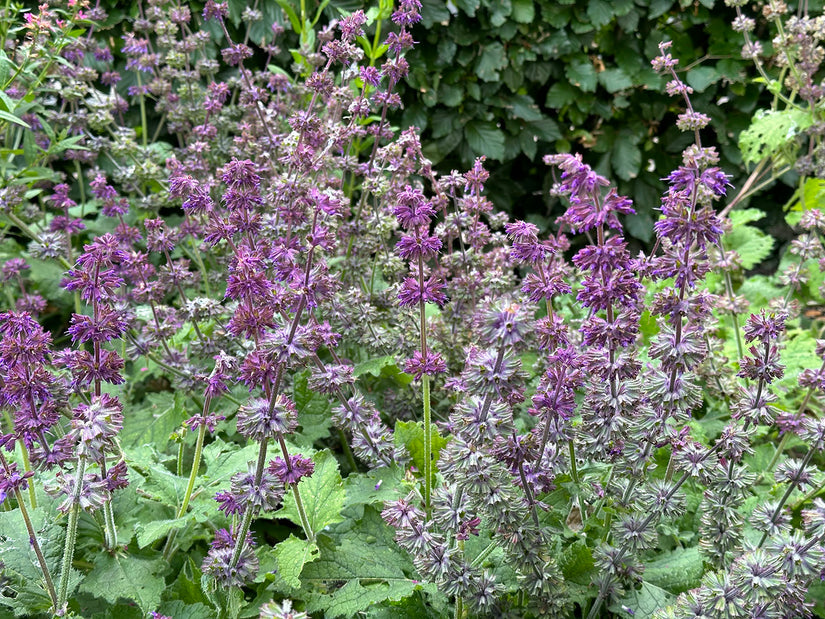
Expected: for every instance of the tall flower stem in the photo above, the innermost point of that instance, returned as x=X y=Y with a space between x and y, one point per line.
x=47 y=575
x=71 y=535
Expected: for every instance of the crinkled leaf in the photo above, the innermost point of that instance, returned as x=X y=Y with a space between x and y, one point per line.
x=576 y=563
x=290 y=557
x=752 y=245
x=354 y=598
x=322 y=494
x=770 y=131
x=130 y=577
x=375 y=486
x=182 y=610
x=744 y=216
x=155 y=420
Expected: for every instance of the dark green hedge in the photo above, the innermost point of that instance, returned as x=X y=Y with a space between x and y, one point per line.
x=516 y=79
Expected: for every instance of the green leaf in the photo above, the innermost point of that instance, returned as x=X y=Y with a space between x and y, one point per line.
x=582 y=74
x=615 y=80
x=291 y=555
x=626 y=158
x=376 y=486
x=130 y=577
x=545 y=129
x=149 y=532
x=560 y=95
x=314 y=411
x=13 y=119
x=740 y=217
x=485 y=139
x=354 y=598
x=322 y=495
x=699 y=78
x=153 y=422
x=752 y=245
x=523 y=11
x=599 y=12
x=678 y=571
x=286 y=7
x=770 y=131
x=373 y=366
x=492 y=59
x=576 y=563
x=644 y=602
x=410 y=434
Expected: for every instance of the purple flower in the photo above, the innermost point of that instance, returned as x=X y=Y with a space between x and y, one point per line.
x=429 y=291
x=259 y=420
x=431 y=364
x=290 y=474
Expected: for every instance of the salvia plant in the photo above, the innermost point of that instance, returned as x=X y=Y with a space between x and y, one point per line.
x=260 y=358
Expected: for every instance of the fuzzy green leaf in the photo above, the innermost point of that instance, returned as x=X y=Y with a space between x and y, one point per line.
x=599 y=12
x=152 y=423
x=354 y=598
x=322 y=494
x=410 y=434
x=644 y=602
x=678 y=571
x=130 y=577
x=290 y=557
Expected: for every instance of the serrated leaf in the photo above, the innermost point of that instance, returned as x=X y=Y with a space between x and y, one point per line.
x=290 y=557
x=322 y=495
x=581 y=73
x=130 y=577
x=744 y=216
x=314 y=411
x=354 y=598
x=485 y=139
x=771 y=131
x=155 y=420
x=410 y=434
x=752 y=245
x=576 y=563
x=376 y=486
x=181 y=610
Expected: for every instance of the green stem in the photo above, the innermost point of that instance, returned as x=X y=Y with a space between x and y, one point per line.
x=71 y=536
x=791 y=487
x=484 y=554
x=33 y=536
x=190 y=486
x=143 y=124
x=28 y=467
x=428 y=444
x=574 y=472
